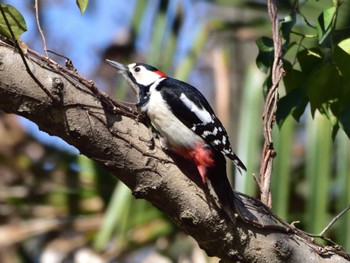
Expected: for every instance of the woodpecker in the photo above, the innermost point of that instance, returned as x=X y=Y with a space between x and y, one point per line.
x=186 y=122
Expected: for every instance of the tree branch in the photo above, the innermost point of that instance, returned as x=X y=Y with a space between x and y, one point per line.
x=169 y=183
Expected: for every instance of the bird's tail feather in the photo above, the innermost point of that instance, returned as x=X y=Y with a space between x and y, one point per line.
x=220 y=189
x=237 y=162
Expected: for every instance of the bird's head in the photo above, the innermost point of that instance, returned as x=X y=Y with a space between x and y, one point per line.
x=138 y=74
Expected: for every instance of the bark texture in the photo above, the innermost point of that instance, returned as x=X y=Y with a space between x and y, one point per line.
x=117 y=142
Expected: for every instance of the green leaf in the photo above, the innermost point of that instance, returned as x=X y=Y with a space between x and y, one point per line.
x=309 y=59
x=15 y=20
x=82 y=4
x=325 y=25
x=345 y=45
x=267 y=85
x=293 y=78
x=341 y=57
x=265 y=57
x=293 y=103
x=287 y=25
x=322 y=87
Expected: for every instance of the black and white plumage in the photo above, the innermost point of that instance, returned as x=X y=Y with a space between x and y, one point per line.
x=173 y=105
x=187 y=123
x=193 y=110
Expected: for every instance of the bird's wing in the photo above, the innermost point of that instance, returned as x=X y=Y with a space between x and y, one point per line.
x=194 y=111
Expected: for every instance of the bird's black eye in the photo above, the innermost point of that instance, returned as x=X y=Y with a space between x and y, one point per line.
x=137 y=69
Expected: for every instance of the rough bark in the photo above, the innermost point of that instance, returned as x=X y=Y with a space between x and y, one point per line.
x=115 y=141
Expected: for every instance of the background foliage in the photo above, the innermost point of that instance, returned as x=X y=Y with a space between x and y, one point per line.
x=217 y=46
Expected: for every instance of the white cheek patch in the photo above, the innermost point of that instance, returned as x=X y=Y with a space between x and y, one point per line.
x=202 y=114
x=144 y=77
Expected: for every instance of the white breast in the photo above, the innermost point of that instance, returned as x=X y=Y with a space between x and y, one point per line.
x=177 y=135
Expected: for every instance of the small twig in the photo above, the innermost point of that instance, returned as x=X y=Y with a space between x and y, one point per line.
x=73 y=77
x=307 y=22
x=321 y=234
x=294 y=222
x=39 y=27
x=303 y=35
x=256 y=179
x=53 y=99
x=334 y=220
x=69 y=62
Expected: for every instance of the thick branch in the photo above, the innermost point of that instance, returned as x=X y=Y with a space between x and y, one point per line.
x=114 y=141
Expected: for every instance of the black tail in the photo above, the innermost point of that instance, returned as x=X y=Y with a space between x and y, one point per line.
x=237 y=162
x=220 y=189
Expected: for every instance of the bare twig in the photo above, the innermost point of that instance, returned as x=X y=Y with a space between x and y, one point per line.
x=73 y=77
x=69 y=62
x=270 y=107
x=335 y=219
x=256 y=180
x=39 y=27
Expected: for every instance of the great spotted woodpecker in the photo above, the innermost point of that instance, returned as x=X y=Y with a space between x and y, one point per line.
x=187 y=124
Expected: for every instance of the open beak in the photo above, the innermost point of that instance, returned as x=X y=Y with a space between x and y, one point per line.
x=120 y=67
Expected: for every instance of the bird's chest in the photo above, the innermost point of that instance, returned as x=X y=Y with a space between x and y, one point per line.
x=160 y=114
x=167 y=124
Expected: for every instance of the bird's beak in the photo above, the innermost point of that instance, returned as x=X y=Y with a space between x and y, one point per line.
x=120 y=67
x=124 y=70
